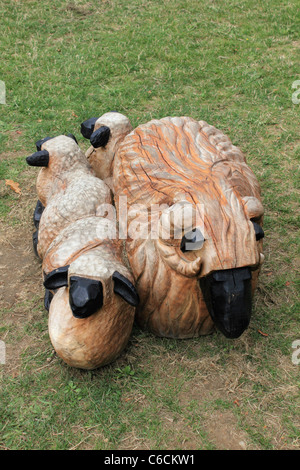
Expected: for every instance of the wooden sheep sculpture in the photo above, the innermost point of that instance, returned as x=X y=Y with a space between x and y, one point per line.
x=190 y=277
x=106 y=134
x=92 y=310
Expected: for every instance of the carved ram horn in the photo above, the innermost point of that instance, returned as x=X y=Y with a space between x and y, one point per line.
x=253 y=207
x=178 y=263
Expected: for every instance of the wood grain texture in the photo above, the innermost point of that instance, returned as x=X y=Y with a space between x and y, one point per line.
x=68 y=189
x=180 y=160
x=75 y=232
x=91 y=342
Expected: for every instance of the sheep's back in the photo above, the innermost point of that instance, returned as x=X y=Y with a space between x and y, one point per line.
x=163 y=158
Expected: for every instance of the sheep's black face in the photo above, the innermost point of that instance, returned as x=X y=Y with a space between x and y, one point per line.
x=227 y=292
x=228 y=297
x=85 y=296
x=40 y=158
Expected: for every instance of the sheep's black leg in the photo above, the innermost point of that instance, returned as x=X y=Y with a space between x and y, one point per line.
x=39 y=208
x=35 y=237
x=47 y=299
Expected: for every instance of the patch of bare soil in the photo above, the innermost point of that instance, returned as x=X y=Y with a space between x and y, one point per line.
x=20 y=284
x=223 y=431
x=220 y=426
x=81 y=10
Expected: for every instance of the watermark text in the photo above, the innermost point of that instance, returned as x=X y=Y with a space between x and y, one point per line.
x=295 y=99
x=296 y=353
x=2 y=92
x=2 y=352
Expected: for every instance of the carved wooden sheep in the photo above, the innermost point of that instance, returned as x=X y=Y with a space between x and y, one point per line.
x=106 y=134
x=92 y=311
x=206 y=275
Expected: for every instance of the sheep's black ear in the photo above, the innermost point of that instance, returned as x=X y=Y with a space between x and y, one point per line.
x=124 y=288
x=72 y=137
x=87 y=127
x=259 y=233
x=39 y=208
x=40 y=142
x=57 y=278
x=100 y=137
x=40 y=158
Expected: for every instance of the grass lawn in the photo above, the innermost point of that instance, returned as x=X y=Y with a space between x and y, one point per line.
x=231 y=63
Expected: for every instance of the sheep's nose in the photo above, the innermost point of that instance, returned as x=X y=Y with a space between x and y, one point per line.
x=85 y=296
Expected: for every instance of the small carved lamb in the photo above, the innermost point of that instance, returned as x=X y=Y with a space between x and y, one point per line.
x=189 y=278
x=106 y=133
x=92 y=310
